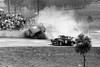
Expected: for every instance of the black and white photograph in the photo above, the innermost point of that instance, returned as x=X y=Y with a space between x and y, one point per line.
x=49 y=22
x=49 y=33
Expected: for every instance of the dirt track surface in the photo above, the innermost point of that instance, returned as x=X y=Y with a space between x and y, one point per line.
x=17 y=42
x=13 y=42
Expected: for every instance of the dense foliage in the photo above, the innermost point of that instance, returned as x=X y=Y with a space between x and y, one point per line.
x=83 y=44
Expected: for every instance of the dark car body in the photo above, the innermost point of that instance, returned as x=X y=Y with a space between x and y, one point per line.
x=63 y=41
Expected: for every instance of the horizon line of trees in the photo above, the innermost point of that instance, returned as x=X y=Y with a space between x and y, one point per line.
x=41 y=4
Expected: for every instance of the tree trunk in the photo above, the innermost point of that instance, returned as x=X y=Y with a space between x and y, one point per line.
x=9 y=6
x=84 y=59
x=38 y=6
x=15 y=8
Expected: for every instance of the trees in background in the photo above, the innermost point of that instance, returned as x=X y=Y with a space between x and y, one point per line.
x=74 y=4
x=8 y=6
x=35 y=4
x=30 y=4
x=16 y=4
x=41 y=4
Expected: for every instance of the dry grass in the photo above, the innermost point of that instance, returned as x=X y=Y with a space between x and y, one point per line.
x=46 y=57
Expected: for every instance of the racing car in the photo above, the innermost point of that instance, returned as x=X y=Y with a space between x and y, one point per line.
x=63 y=40
x=35 y=32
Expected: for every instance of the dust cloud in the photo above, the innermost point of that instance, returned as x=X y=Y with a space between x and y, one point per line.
x=59 y=22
